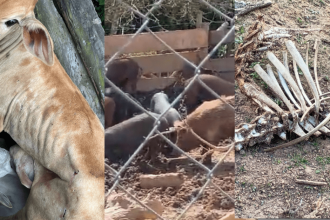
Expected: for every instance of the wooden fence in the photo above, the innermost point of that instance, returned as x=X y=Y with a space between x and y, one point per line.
x=193 y=43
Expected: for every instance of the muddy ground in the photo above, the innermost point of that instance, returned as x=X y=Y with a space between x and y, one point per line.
x=212 y=205
x=265 y=182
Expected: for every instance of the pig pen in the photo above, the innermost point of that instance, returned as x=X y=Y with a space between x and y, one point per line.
x=171 y=201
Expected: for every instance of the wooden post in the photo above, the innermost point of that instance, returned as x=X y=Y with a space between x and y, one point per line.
x=204 y=51
x=199 y=19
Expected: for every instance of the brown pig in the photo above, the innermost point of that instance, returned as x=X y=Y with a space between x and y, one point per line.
x=109 y=105
x=197 y=93
x=212 y=121
x=124 y=73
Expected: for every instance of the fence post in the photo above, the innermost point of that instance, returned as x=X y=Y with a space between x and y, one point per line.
x=203 y=53
x=199 y=19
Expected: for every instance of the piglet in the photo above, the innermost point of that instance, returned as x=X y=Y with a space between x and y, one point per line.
x=121 y=140
x=13 y=194
x=160 y=103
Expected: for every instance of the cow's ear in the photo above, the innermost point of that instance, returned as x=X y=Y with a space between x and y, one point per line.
x=37 y=41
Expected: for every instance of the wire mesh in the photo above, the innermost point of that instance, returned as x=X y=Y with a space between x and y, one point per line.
x=118 y=173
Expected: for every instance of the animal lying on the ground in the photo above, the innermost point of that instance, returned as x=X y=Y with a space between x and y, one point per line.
x=23 y=165
x=121 y=140
x=197 y=93
x=124 y=109
x=109 y=106
x=160 y=103
x=212 y=121
x=124 y=73
x=48 y=117
x=13 y=194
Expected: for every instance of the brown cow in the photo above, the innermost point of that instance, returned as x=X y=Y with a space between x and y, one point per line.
x=197 y=93
x=212 y=121
x=49 y=118
x=109 y=105
x=124 y=73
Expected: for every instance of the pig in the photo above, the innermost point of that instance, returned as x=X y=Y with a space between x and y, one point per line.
x=213 y=121
x=13 y=194
x=23 y=164
x=110 y=106
x=121 y=140
x=124 y=109
x=160 y=103
x=11 y=187
x=124 y=73
x=197 y=93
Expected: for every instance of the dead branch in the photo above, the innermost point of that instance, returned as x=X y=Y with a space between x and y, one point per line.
x=256 y=6
x=313 y=183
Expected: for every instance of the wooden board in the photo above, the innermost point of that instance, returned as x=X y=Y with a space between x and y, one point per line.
x=216 y=37
x=221 y=64
x=144 y=42
x=165 y=62
x=147 y=85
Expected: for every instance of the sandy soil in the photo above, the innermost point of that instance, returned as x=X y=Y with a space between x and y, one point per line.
x=265 y=182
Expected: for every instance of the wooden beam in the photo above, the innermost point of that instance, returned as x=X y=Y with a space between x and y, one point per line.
x=221 y=64
x=165 y=62
x=145 y=42
x=147 y=85
x=216 y=36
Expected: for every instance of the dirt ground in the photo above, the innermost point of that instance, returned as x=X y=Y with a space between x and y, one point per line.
x=212 y=205
x=265 y=182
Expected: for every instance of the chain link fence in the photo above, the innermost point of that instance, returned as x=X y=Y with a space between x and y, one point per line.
x=116 y=181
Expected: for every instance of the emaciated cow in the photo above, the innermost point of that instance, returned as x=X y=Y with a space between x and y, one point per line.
x=48 y=117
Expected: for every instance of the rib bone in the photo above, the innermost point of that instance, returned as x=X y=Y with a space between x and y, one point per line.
x=295 y=69
x=285 y=62
x=287 y=76
x=316 y=47
x=303 y=66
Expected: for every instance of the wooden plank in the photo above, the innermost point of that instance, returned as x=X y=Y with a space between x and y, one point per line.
x=165 y=62
x=216 y=36
x=144 y=42
x=221 y=64
x=228 y=76
x=147 y=85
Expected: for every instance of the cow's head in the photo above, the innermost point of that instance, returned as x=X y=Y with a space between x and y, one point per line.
x=17 y=17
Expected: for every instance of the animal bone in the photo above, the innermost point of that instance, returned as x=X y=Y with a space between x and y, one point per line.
x=287 y=76
x=262 y=129
x=316 y=47
x=295 y=69
x=303 y=66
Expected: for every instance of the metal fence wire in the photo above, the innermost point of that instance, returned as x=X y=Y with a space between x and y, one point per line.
x=210 y=172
